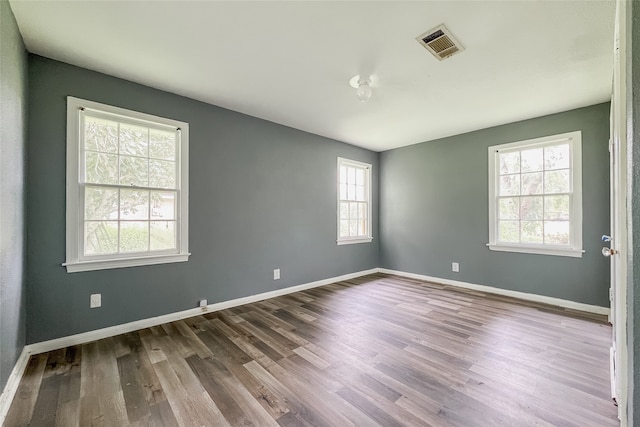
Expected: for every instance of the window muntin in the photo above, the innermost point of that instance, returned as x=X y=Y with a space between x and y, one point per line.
x=535 y=196
x=127 y=188
x=354 y=202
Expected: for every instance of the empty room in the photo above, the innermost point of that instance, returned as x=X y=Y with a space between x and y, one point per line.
x=331 y=213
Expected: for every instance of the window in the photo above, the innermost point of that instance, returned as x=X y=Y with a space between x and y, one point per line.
x=535 y=196
x=354 y=202
x=127 y=188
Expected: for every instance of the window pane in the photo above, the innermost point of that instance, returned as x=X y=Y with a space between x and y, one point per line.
x=359 y=176
x=163 y=205
x=100 y=203
x=133 y=171
x=343 y=191
x=531 y=160
x=557 y=157
x=162 y=174
x=556 y=232
x=532 y=183
x=557 y=182
x=531 y=232
x=344 y=210
x=163 y=235
x=100 y=135
x=101 y=168
x=353 y=211
x=362 y=229
x=134 y=204
x=134 y=140
x=134 y=236
x=162 y=144
x=353 y=227
x=351 y=175
x=343 y=175
x=509 y=163
x=100 y=237
x=344 y=228
x=362 y=210
x=531 y=208
x=360 y=193
x=509 y=208
x=351 y=192
x=509 y=185
x=556 y=207
x=509 y=231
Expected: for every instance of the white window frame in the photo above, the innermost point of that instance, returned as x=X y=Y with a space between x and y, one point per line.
x=574 y=249
x=368 y=170
x=76 y=261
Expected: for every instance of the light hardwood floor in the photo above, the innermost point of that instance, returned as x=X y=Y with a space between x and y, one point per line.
x=378 y=350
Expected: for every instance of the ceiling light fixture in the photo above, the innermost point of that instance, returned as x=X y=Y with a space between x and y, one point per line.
x=362 y=86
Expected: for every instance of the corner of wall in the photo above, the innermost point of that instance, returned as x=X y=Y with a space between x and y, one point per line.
x=13 y=135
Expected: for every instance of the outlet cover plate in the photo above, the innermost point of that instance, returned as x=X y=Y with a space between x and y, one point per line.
x=95 y=301
x=276 y=274
x=455 y=267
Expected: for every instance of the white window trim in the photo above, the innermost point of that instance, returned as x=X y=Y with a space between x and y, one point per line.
x=353 y=240
x=575 y=248
x=74 y=261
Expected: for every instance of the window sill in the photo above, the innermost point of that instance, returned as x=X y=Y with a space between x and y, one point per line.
x=354 y=241
x=105 y=264
x=575 y=253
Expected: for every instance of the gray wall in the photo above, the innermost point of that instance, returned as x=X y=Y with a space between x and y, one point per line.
x=13 y=112
x=262 y=196
x=633 y=279
x=434 y=210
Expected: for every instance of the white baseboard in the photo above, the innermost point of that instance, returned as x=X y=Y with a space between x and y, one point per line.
x=13 y=382
x=84 y=337
x=58 y=343
x=515 y=294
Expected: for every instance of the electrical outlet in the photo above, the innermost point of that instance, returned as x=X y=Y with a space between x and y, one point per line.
x=276 y=274
x=455 y=267
x=203 y=303
x=95 y=301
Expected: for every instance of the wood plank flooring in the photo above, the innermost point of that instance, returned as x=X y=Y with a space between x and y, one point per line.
x=378 y=350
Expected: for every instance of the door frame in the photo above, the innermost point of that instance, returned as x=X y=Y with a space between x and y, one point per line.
x=618 y=205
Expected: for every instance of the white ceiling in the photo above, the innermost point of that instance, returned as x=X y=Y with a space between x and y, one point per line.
x=290 y=62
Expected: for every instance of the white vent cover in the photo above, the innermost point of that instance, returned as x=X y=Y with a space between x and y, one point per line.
x=440 y=42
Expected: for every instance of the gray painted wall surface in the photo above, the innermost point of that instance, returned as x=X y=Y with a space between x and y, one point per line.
x=434 y=211
x=13 y=113
x=262 y=196
x=633 y=279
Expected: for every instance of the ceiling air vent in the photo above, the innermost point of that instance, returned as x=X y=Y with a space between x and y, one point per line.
x=440 y=42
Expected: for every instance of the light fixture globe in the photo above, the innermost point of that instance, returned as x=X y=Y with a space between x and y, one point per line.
x=362 y=85
x=364 y=91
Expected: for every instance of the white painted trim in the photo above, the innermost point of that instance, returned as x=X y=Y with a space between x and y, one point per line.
x=621 y=196
x=84 y=337
x=354 y=241
x=368 y=180
x=546 y=250
x=58 y=343
x=574 y=249
x=74 y=267
x=13 y=382
x=76 y=183
x=506 y=292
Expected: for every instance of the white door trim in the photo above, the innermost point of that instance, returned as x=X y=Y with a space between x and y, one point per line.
x=618 y=148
